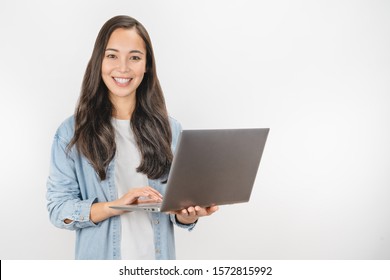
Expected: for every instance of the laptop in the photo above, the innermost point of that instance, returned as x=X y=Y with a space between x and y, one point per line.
x=210 y=167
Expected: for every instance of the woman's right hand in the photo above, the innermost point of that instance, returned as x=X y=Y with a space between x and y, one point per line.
x=138 y=195
x=101 y=210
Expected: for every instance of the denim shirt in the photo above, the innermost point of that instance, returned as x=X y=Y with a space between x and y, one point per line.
x=73 y=186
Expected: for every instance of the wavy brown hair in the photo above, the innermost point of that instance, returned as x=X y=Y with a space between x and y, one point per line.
x=94 y=135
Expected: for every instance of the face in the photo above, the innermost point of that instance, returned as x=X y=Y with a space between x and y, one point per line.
x=124 y=63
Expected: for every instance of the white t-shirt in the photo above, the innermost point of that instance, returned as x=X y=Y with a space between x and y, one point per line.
x=137 y=241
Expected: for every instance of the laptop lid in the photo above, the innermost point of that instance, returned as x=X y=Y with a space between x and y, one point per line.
x=214 y=167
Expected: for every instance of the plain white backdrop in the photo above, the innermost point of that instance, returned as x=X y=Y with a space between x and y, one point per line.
x=315 y=72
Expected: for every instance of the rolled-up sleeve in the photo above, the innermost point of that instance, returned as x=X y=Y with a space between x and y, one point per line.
x=63 y=192
x=189 y=227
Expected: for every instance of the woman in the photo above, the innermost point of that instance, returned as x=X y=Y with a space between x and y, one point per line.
x=115 y=150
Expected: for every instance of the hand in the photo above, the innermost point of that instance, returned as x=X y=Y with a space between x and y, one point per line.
x=101 y=210
x=137 y=195
x=192 y=214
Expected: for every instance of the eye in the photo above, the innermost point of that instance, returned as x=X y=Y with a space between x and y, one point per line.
x=113 y=56
x=134 y=57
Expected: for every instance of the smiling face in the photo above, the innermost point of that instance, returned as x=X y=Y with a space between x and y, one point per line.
x=124 y=64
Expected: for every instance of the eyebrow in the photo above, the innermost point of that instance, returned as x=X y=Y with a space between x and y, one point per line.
x=132 y=51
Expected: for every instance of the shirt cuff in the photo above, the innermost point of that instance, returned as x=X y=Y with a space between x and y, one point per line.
x=80 y=215
x=175 y=221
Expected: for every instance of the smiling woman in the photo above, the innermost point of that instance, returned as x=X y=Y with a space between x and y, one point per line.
x=117 y=149
x=142 y=99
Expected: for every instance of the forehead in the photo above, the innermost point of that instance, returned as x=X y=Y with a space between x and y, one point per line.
x=125 y=40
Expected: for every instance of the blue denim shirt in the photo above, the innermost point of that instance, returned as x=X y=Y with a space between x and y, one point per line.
x=73 y=186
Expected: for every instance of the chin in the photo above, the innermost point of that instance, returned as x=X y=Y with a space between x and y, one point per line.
x=121 y=93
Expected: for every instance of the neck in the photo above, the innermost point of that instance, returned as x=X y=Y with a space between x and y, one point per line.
x=123 y=106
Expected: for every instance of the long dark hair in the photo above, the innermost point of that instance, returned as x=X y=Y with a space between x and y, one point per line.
x=94 y=134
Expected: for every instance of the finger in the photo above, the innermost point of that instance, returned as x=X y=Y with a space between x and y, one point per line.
x=201 y=211
x=145 y=190
x=151 y=193
x=191 y=211
x=148 y=196
x=137 y=194
x=154 y=191
x=146 y=200
x=212 y=209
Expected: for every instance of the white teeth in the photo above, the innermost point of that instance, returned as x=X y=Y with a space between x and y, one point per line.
x=122 y=80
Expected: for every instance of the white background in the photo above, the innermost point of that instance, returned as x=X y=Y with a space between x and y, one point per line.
x=315 y=72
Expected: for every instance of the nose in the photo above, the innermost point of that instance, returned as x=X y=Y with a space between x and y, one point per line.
x=124 y=66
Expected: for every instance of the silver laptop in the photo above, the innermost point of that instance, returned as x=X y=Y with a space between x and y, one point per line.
x=211 y=167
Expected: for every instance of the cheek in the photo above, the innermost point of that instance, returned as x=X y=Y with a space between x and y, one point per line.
x=105 y=76
x=105 y=69
x=140 y=78
x=140 y=70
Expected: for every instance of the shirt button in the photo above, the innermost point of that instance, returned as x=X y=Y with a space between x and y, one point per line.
x=158 y=251
x=156 y=222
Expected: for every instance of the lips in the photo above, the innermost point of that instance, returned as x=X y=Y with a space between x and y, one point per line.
x=122 y=81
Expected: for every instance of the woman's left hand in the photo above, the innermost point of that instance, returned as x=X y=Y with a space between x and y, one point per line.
x=192 y=214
